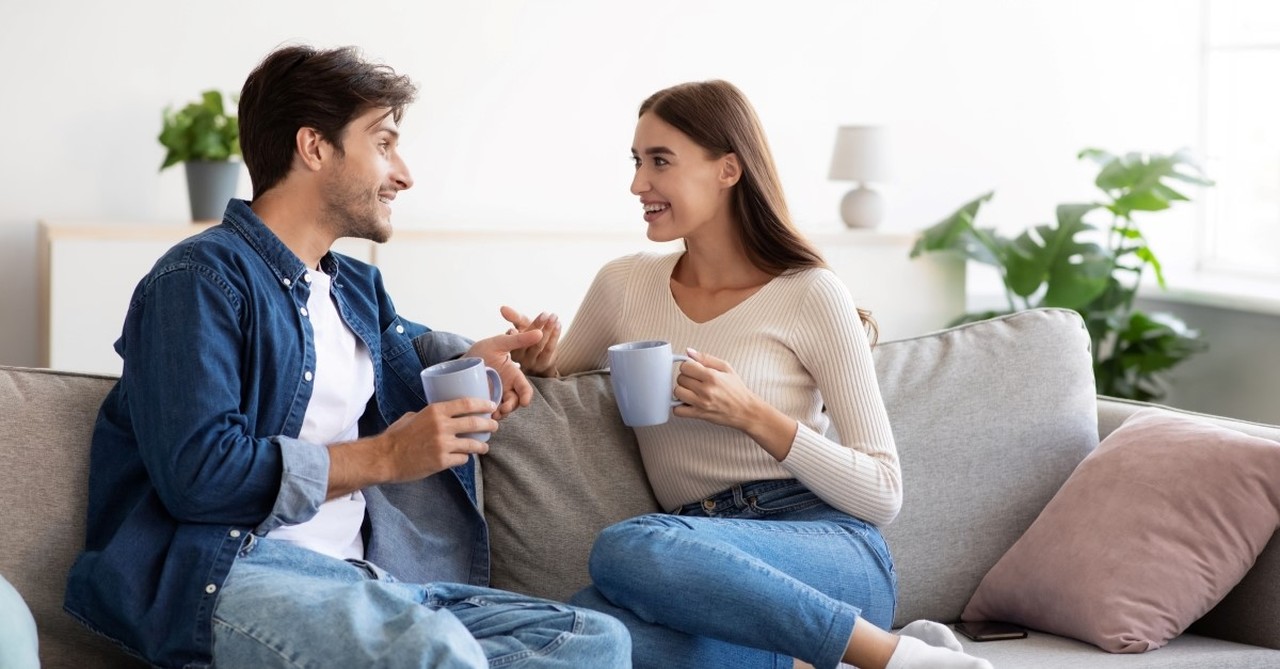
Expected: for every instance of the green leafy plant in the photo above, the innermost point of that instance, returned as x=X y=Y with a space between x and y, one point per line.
x=202 y=130
x=1095 y=270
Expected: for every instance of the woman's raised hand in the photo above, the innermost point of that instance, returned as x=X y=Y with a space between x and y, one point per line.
x=538 y=359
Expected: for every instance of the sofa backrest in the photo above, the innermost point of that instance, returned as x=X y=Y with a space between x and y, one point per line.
x=46 y=419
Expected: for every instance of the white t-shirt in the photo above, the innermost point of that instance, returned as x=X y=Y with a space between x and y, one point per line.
x=342 y=386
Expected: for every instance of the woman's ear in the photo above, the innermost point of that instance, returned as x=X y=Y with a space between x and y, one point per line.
x=730 y=170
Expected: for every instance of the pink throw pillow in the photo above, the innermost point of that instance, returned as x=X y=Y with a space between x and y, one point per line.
x=1151 y=530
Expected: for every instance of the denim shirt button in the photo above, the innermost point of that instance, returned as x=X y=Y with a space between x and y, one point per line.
x=287 y=282
x=708 y=504
x=211 y=588
x=235 y=534
x=307 y=375
x=399 y=329
x=307 y=277
x=303 y=311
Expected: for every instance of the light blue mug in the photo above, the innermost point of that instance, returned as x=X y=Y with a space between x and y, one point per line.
x=464 y=377
x=641 y=374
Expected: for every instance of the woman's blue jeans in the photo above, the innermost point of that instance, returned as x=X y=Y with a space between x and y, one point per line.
x=752 y=577
x=285 y=606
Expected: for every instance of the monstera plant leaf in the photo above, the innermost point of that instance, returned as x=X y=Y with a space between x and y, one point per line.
x=958 y=233
x=1145 y=345
x=1075 y=271
x=1059 y=265
x=1136 y=180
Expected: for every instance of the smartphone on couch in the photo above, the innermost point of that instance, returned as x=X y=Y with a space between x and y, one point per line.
x=990 y=630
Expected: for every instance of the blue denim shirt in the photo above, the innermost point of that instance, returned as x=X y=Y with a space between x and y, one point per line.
x=196 y=445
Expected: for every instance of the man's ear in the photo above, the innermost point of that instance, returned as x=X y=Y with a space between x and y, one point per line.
x=730 y=170
x=310 y=148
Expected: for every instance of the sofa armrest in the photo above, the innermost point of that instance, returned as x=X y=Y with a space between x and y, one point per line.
x=1250 y=613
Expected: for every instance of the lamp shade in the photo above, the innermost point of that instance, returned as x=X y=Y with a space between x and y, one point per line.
x=860 y=154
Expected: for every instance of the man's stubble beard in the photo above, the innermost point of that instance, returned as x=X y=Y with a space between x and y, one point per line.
x=351 y=211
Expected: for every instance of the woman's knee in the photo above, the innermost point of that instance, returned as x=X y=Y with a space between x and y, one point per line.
x=636 y=553
x=629 y=545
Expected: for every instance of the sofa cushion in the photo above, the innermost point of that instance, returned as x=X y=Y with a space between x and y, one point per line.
x=1152 y=530
x=48 y=419
x=1189 y=651
x=990 y=418
x=556 y=474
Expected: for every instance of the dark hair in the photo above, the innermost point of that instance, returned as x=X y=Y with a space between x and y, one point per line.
x=718 y=117
x=304 y=87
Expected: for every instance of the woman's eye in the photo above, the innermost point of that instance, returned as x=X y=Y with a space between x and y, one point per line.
x=659 y=162
x=635 y=160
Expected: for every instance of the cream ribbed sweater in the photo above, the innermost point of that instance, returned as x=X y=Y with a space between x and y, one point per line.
x=797 y=343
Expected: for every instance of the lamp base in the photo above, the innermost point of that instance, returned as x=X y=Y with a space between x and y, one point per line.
x=862 y=208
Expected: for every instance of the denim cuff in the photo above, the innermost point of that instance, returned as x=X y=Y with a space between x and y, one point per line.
x=436 y=346
x=304 y=484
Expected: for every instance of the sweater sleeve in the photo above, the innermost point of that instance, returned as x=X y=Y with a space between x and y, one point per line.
x=592 y=331
x=862 y=477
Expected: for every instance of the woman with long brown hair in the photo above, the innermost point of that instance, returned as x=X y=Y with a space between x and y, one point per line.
x=771 y=548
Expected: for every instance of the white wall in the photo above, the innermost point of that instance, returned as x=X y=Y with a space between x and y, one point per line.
x=527 y=107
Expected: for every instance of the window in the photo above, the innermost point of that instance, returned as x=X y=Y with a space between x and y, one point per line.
x=1241 y=64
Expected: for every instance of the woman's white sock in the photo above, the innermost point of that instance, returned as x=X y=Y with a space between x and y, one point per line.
x=932 y=633
x=912 y=653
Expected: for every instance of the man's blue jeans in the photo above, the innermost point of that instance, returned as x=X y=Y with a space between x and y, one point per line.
x=285 y=606
x=751 y=577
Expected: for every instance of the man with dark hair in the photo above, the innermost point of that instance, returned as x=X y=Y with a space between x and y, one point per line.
x=267 y=488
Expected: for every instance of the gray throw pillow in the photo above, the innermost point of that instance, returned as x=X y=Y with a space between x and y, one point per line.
x=558 y=472
x=990 y=418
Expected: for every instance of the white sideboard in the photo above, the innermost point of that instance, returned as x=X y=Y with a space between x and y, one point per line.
x=455 y=280
x=87 y=275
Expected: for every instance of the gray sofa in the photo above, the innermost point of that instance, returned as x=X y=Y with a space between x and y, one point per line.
x=990 y=419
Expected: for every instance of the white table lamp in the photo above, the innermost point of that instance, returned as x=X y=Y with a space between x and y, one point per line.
x=860 y=156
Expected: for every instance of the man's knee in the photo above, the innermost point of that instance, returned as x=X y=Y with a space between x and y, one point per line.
x=606 y=634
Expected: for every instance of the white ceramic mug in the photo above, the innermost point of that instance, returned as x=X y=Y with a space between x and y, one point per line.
x=464 y=377
x=641 y=374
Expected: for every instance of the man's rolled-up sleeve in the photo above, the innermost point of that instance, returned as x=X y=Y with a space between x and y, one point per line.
x=304 y=484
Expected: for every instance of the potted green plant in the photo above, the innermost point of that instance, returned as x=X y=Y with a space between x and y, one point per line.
x=1095 y=270
x=205 y=137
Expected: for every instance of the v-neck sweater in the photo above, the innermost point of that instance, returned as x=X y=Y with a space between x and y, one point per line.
x=797 y=343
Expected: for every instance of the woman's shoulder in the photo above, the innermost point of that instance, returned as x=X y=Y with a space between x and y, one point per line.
x=812 y=278
x=815 y=290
